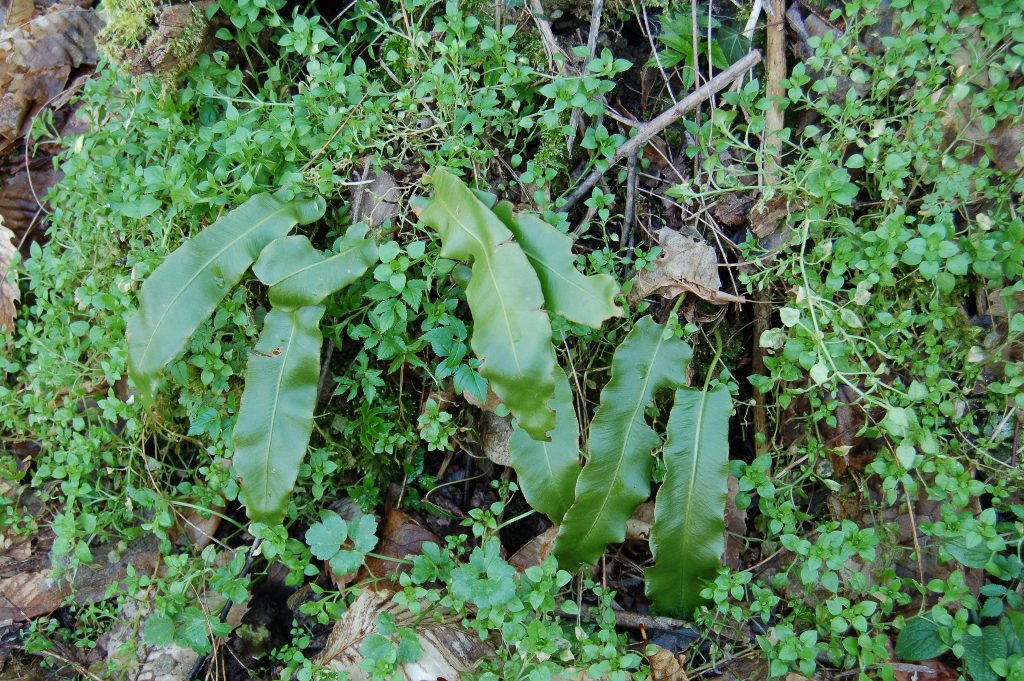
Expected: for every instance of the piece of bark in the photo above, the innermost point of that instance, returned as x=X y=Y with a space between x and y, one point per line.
x=29 y=589
x=449 y=651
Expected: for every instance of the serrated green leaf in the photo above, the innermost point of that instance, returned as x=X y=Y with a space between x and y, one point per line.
x=511 y=331
x=186 y=288
x=688 y=536
x=363 y=533
x=346 y=562
x=578 y=298
x=276 y=415
x=325 y=538
x=980 y=651
x=919 y=640
x=159 y=629
x=548 y=470
x=299 y=275
x=617 y=477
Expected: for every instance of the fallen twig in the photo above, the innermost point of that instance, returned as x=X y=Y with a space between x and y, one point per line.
x=648 y=130
x=634 y=620
x=630 y=213
x=547 y=37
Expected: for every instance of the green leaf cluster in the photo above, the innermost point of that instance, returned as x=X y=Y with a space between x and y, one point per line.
x=275 y=418
x=521 y=266
x=326 y=538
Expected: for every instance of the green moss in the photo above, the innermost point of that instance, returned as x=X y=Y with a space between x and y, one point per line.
x=127 y=24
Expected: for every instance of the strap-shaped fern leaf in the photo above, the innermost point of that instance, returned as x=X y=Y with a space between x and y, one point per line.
x=275 y=419
x=687 y=539
x=548 y=470
x=298 y=275
x=588 y=300
x=511 y=331
x=186 y=288
x=617 y=477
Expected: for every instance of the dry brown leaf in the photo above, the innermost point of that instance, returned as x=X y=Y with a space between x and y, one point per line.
x=448 y=649
x=401 y=537
x=495 y=432
x=30 y=590
x=381 y=200
x=535 y=551
x=688 y=264
x=14 y=13
x=667 y=666
x=9 y=293
x=639 y=524
x=19 y=206
x=36 y=59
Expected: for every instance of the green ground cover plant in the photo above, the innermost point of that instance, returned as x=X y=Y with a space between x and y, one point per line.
x=220 y=327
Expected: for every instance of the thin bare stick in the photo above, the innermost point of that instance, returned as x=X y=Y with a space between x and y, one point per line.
x=634 y=620
x=630 y=213
x=546 y=36
x=648 y=130
x=776 y=68
x=762 y=322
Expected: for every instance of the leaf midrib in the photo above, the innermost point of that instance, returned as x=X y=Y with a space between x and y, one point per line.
x=629 y=429
x=294 y=319
x=698 y=429
x=485 y=255
x=323 y=261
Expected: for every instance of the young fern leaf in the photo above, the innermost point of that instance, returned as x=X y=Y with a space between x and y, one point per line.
x=617 y=477
x=548 y=470
x=588 y=300
x=276 y=416
x=186 y=288
x=275 y=419
x=299 y=275
x=688 y=534
x=511 y=331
